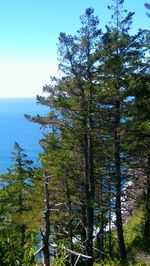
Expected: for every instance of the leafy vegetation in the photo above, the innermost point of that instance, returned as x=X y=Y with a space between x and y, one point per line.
x=89 y=202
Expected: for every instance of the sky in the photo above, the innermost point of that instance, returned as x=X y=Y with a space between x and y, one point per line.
x=29 y=31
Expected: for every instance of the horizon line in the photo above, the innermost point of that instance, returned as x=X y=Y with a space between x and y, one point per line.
x=18 y=97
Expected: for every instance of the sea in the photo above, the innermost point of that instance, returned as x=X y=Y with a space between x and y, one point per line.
x=14 y=127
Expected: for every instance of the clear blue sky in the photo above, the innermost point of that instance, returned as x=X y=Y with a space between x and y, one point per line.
x=29 y=31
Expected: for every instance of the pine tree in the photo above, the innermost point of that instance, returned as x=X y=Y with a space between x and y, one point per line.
x=15 y=196
x=74 y=100
x=139 y=134
x=147 y=5
x=120 y=60
x=85 y=148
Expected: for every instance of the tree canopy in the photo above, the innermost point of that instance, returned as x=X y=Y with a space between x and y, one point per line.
x=75 y=208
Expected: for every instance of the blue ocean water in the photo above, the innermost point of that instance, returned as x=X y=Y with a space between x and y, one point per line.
x=14 y=127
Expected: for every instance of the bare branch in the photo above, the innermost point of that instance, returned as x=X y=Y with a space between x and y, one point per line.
x=77 y=254
x=39 y=250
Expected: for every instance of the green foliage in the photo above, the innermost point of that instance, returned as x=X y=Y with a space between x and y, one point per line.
x=133 y=229
x=29 y=259
x=137 y=246
x=98 y=129
x=106 y=263
x=15 y=195
x=59 y=262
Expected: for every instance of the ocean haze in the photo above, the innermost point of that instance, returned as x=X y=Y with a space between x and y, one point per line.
x=14 y=127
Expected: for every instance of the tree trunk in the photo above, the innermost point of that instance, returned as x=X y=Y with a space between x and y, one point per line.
x=70 y=224
x=22 y=232
x=47 y=223
x=22 y=229
x=101 y=232
x=100 y=237
x=101 y=247
x=110 y=219
x=110 y=235
x=147 y=216
x=83 y=228
x=89 y=174
x=118 y=187
x=89 y=236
